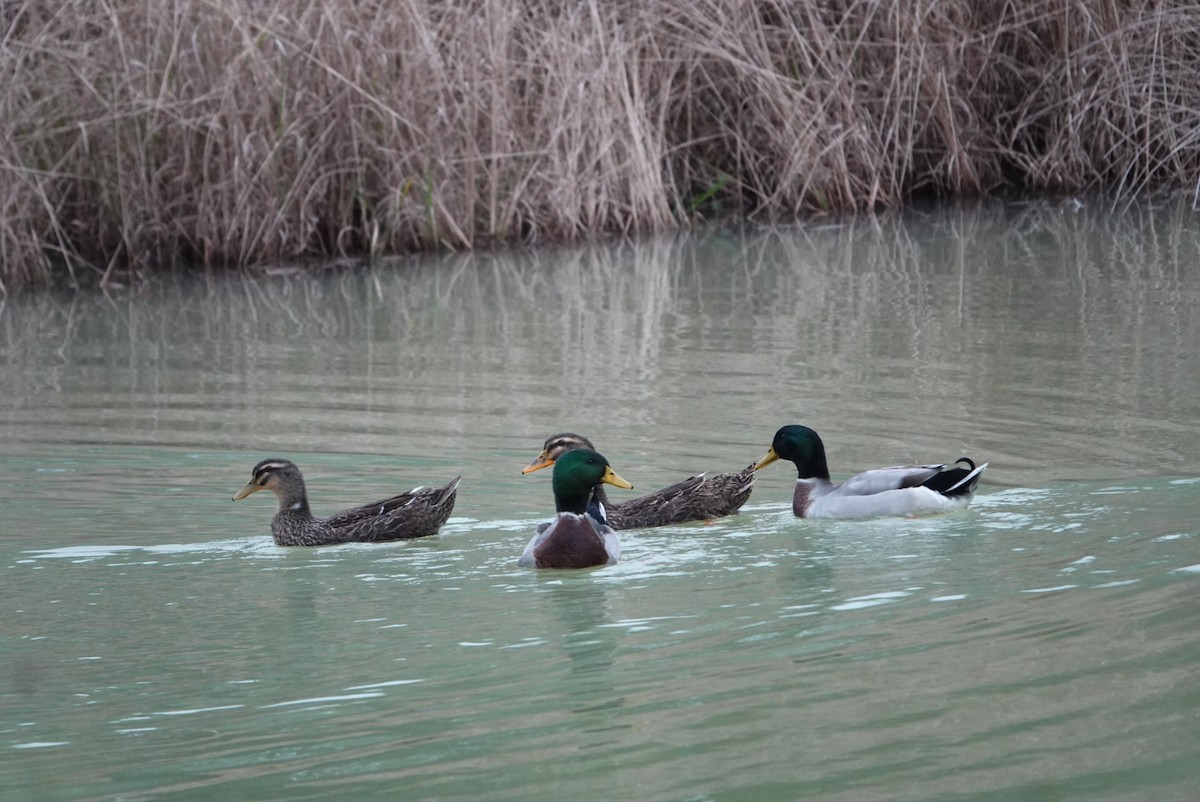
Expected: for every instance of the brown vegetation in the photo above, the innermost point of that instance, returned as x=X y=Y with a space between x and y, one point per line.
x=244 y=131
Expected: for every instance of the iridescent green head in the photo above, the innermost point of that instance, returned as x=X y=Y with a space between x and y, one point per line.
x=576 y=473
x=802 y=446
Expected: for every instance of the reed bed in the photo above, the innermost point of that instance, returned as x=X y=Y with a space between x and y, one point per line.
x=237 y=132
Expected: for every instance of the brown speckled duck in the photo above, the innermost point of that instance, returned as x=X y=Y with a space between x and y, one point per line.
x=698 y=498
x=418 y=513
x=576 y=538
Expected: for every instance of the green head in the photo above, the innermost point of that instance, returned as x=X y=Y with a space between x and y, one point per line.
x=802 y=446
x=576 y=473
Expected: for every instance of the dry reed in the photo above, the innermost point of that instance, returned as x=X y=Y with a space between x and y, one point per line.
x=249 y=131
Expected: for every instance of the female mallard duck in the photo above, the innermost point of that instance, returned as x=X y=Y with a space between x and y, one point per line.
x=900 y=490
x=698 y=498
x=576 y=538
x=417 y=513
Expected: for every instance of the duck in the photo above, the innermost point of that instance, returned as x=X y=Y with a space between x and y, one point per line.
x=576 y=538
x=417 y=513
x=697 y=498
x=907 y=490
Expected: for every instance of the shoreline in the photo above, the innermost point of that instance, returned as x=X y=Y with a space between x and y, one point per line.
x=236 y=133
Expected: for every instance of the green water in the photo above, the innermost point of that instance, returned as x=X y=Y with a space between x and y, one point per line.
x=1039 y=646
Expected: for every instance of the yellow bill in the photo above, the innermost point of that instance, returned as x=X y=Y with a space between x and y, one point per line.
x=767 y=460
x=611 y=478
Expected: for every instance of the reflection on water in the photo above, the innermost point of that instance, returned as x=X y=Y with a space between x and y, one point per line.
x=919 y=337
x=1038 y=645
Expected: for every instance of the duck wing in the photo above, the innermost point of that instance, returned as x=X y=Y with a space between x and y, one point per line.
x=697 y=498
x=417 y=513
x=900 y=490
x=878 y=480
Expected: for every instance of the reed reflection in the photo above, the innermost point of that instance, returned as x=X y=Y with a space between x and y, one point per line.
x=951 y=323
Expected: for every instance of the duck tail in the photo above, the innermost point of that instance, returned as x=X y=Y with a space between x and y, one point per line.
x=957 y=482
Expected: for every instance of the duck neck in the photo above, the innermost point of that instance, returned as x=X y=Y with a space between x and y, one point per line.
x=293 y=503
x=813 y=466
x=570 y=499
x=599 y=496
x=598 y=505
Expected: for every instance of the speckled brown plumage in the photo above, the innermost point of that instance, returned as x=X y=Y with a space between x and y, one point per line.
x=697 y=498
x=418 y=513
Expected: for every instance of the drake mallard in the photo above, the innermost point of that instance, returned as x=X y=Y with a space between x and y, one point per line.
x=576 y=538
x=417 y=513
x=899 y=490
x=697 y=498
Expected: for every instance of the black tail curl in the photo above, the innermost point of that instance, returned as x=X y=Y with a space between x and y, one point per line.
x=951 y=482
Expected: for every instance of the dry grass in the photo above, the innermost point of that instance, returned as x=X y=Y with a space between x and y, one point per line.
x=247 y=131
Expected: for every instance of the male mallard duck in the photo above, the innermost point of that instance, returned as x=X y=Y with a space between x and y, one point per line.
x=576 y=538
x=417 y=513
x=698 y=498
x=900 y=490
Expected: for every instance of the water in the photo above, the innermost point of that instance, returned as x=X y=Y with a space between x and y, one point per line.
x=1041 y=645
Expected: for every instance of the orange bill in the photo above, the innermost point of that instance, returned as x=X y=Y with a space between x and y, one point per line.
x=543 y=461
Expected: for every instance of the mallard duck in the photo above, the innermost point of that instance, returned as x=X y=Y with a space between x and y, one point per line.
x=576 y=538
x=417 y=513
x=697 y=498
x=899 y=490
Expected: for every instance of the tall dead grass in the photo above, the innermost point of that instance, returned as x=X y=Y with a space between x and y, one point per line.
x=242 y=131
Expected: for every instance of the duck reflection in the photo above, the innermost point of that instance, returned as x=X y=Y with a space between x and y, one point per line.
x=582 y=605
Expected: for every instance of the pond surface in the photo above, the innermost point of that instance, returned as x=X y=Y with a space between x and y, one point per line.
x=1041 y=645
